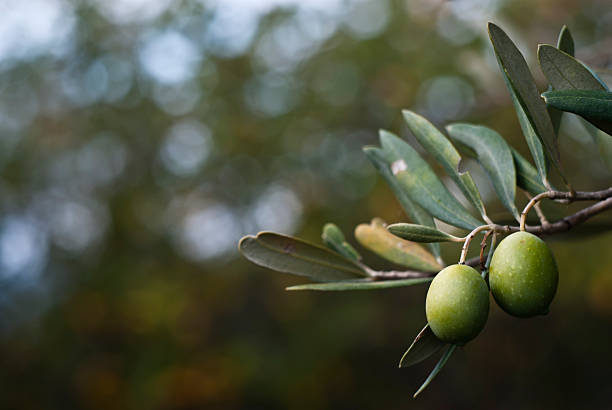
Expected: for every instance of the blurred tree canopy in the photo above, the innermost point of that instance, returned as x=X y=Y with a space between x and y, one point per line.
x=139 y=140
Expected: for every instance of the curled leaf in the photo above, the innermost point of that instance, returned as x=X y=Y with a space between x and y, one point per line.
x=376 y=238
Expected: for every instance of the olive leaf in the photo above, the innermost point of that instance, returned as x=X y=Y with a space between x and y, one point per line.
x=424 y=345
x=334 y=239
x=443 y=151
x=494 y=154
x=360 y=284
x=420 y=233
x=533 y=115
x=527 y=176
x=447 y=354
x=565 y=43
x=376 y=238
x=382 y=163
x=423 y=186
x=291 y=255
x=595 y=106
x=564 y=72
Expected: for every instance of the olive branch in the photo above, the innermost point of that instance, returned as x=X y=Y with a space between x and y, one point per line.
x=573 y=87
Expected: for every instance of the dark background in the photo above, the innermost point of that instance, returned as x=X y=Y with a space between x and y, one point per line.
x=139 y=140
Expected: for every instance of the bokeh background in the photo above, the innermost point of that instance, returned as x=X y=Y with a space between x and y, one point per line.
x=140 y=139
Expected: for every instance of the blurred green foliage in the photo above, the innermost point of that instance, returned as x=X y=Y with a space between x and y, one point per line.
x=139 y=140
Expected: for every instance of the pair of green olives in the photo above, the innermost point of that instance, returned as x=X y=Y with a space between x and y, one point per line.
x=523 y=278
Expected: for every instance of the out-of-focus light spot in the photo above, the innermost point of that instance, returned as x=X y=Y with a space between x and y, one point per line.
x=170 y=57
x=475 y=12
x=271 y=95
x=367 y=19
x=447 y=98
x=18 y=106
x=208 y=232
x=316 y=24
x=422 y=9
x=234 y=25
x=120 y=77
x=95 y=81
x=454 y=30
x=338 y=83
x=74 y=225
x=177 y=99
x=23 y=247
x=126 y=11
x=284 y=46
x=186 y=147
x=85 y=86
x=34 y=27
x=102 y=160
x=231 y=31
x=73 y=222
x=277 y=209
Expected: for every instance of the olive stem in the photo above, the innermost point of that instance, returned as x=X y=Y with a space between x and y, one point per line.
x=562 y=225
x=538 y=209
x=485 y=269
x=468 y=239
x=569 y=196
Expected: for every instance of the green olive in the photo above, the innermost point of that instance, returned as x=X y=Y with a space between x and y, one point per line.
x=457 y=304
x=523 y=275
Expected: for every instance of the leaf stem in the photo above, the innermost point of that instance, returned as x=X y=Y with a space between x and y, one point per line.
x=562 y=225
x=570 y=196
x=468 y=239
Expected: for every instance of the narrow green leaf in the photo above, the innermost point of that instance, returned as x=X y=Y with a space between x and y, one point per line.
x=290 y=255
x=527 y=176
x=533 y=142
x=334 y=238
x=564 y=72
x=437 y=369
x=420 y=233
x=423 y=346
x=595 y=106
x=423 y=186
x=417 y=214
x=565 y=43
x=376 y=238
x=443 y=151
x=521 y=84
x=362 y=284
x=494 y=154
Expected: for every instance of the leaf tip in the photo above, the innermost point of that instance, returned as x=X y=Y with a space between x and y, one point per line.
x=243 y=240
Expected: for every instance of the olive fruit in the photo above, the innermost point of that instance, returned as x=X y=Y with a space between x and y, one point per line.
x=457 y=304
x=523 y=275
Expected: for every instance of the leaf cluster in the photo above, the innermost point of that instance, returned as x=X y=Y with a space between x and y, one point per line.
x=573 y=87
